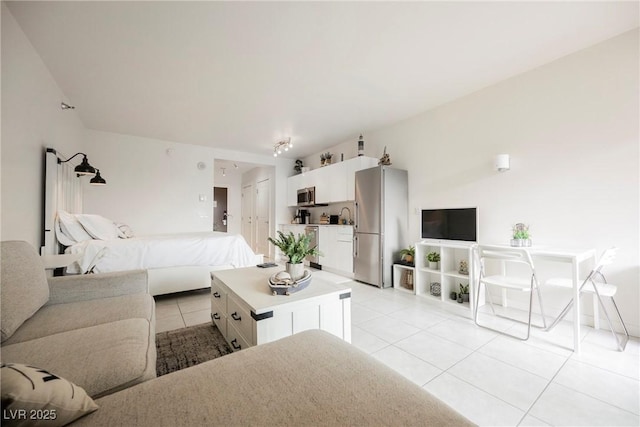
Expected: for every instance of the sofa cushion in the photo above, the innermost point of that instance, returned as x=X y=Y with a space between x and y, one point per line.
x=56 y=318
x=311 y=378
x=24 y=285
x=101 y=359
x=35 y=397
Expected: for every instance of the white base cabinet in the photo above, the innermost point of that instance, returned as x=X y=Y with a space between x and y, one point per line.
x=247 y=314
x=438 y=282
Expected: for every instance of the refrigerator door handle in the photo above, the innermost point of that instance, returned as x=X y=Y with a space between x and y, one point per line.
x=355 y=216
x=355 y=246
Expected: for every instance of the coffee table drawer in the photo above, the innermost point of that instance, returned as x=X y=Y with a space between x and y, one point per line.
x=240 y=317
x=219 y=319
x=235 y=338
x=219 y=296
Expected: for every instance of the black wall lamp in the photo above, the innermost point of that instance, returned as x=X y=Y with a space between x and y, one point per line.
x=84 y=168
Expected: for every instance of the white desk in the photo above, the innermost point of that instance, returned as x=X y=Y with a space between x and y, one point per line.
x=575 y=257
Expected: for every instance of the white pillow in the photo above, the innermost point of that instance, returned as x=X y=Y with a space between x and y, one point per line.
x=98 y=226
x=70 y=226
x=35 y=397
x=62 y=238
x=124 y=231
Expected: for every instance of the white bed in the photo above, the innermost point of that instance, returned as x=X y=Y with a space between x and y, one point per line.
x=175 y=262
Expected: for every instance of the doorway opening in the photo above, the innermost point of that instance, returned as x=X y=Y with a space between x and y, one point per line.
x=220 y=209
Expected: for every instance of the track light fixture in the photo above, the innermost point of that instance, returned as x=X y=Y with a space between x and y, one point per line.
x=279 y=146
x=65 y=106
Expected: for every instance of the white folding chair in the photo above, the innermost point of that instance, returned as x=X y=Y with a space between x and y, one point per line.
x=505 y=255
x=597 y=285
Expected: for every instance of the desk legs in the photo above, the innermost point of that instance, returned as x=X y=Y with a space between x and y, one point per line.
x=576 y=305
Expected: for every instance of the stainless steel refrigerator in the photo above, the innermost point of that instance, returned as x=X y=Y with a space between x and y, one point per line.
x=381 y=216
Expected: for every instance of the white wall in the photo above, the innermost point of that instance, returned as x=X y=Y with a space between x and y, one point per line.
x=31 y=120
x=571 y=128
x=152 y=185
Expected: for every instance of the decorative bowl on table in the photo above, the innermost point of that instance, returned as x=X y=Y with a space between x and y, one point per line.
x=281 y=283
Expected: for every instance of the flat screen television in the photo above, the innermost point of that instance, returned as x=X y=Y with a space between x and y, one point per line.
x=450 y=224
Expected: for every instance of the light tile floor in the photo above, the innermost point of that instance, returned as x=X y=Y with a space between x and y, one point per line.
x=492 y=379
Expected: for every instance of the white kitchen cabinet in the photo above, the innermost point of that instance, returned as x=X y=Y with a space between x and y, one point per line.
x=330 y=183
x=333 y=183
x=336 y=245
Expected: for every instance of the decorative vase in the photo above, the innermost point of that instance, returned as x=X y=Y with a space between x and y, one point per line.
x=296 y=271
x=521 y=242
x=453 y=295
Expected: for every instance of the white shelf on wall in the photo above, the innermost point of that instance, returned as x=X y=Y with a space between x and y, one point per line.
x=448 y=274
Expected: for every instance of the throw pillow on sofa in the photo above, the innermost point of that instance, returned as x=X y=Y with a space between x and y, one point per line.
x=33 y=396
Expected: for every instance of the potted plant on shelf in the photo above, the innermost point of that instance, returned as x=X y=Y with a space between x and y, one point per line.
x=325 y=159
x=433 y=258
x=296 y=248
x=521 y=236
x=407 y=255
x=464 y=293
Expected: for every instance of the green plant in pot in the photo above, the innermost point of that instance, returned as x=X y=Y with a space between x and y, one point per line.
x=521 y=236
x=408 y=254
x=464 y=293
x=433 y=258
x=296 y=248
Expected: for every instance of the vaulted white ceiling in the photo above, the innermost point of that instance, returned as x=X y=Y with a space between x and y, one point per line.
x=241 y=75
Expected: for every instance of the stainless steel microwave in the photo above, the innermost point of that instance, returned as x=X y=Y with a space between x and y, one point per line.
x=307 y=196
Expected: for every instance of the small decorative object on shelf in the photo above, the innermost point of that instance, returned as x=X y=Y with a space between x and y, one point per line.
x=406 y=281
x=521 y=236
x=434 y=289
x=298 y=167
x=360 y=146
x=433 y=258
x=453 y=295
x=385 y=160
x=408 y=254
x=463 y=268
x=325 y=159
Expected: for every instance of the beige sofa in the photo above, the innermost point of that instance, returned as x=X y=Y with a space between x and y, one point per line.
x=97 y=331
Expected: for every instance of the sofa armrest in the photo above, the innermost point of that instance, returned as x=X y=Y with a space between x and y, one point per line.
x=84 y=287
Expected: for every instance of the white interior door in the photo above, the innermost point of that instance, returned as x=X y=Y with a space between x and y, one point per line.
x=247 y=215
x=263 y=221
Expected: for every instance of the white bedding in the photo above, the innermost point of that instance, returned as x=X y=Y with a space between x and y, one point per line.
x=171 y=250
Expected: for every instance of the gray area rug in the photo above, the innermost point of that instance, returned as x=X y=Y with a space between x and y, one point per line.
x=190 y=346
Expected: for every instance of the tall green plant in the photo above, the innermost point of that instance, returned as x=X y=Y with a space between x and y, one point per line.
x=296 y=248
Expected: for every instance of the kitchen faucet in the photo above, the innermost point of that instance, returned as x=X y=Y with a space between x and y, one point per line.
x=348 y=210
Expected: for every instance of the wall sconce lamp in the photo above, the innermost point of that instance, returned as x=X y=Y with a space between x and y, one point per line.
x=84 y=168
x=279 y=146
x=224 y=171
x=502 y=162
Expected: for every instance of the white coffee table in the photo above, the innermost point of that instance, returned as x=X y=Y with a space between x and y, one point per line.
x=247 y=313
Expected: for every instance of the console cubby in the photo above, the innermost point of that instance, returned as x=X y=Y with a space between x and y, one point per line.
x=449 y=273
